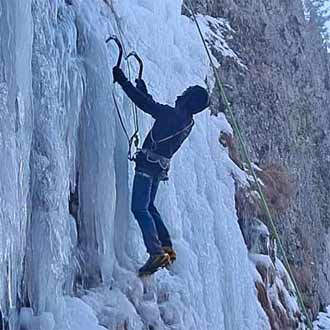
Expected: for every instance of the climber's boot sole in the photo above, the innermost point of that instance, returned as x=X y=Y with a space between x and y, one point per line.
x=154 y=263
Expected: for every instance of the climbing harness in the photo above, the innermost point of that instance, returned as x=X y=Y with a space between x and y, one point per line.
x=155 y=158
x=250 y=166
x=170 y=137
x=134 y=139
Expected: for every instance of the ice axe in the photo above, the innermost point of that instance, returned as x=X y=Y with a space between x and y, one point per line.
x=120 y=47
x=138 y=58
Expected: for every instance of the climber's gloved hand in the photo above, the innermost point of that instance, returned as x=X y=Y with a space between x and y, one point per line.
x=118 y=75
x=141 y=86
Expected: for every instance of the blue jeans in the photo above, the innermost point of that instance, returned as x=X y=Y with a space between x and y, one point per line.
x=154 y=231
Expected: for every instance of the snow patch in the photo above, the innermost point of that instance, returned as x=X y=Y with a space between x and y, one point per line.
x=323 y=320
x=214 y=30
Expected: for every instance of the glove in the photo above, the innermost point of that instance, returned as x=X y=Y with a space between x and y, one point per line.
x=118 y=75
x=141 y=86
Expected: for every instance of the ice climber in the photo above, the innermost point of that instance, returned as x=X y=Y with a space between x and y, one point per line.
x=171 y=128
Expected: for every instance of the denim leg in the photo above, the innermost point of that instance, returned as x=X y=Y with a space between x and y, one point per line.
x=163 y=233
x=140 y=207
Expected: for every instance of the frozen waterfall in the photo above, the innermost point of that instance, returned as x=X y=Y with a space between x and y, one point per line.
x=69 y=246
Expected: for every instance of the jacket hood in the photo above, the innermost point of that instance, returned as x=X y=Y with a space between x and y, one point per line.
x=194 y=99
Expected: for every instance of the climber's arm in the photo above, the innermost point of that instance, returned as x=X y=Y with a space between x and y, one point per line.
x=144 y=101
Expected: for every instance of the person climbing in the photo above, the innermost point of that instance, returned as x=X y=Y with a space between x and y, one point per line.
x=171 y=128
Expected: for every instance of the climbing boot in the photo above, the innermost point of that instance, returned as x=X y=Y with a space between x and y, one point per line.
x=154 y=263
x=169 y=250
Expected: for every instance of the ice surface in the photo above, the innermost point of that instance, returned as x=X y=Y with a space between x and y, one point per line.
x=60 y=140
x=306 y=11
x=323 y=320
x=15 y=136
x=323 y=11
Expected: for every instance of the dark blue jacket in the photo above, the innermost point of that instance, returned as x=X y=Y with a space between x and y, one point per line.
x=172 y=124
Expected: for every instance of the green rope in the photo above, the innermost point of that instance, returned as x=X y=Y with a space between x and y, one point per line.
x=246 y=156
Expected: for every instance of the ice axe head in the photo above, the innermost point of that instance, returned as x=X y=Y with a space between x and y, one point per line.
x=138 y=58
x=120 y=47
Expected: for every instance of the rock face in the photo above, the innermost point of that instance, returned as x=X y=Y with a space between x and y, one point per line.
x=282 y=103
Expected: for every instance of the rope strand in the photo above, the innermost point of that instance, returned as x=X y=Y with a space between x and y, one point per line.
x=135 y=137
x=121 y=38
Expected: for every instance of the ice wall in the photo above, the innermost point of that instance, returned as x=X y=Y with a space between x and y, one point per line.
x=15 y=137
x=61 y=140
x=323 y=320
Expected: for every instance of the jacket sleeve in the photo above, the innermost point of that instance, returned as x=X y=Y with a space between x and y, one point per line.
x=144 y=101
x=141 y=85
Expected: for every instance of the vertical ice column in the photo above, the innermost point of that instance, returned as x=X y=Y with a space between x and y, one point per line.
x=97 y=142
x=57 y=89
x=15 y=137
